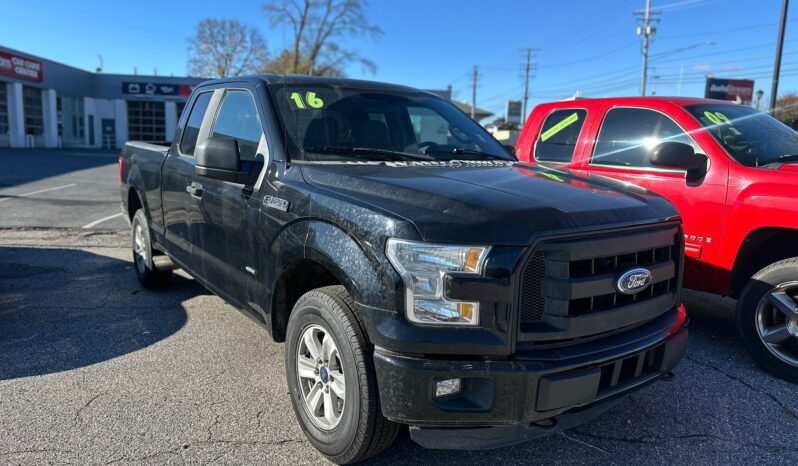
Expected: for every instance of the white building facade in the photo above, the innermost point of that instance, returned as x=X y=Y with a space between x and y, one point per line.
x=48 y=104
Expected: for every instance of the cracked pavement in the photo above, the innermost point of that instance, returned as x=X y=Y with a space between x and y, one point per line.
x=95 y=370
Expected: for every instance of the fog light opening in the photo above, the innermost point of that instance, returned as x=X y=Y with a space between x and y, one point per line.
x=447 y=387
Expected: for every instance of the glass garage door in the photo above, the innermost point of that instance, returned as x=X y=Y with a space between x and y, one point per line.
x=33 y=110
x=3 y=109
x=145 y=121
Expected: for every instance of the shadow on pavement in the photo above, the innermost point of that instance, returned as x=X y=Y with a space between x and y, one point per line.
x=24 y=166
x=62 y=309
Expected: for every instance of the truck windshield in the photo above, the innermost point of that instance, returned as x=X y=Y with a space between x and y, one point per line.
x=751 y=137
x=327 y=122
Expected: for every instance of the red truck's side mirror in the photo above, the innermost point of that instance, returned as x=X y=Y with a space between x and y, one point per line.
x=679 y=156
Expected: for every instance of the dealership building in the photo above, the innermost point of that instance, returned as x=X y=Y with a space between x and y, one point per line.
x=48 y=104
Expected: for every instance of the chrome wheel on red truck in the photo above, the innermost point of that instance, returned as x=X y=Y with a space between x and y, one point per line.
x=777 y=322
x=767 y=317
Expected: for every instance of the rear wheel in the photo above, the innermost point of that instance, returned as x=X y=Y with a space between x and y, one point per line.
x=767 y=318
x=331 y=378
x=148 y=275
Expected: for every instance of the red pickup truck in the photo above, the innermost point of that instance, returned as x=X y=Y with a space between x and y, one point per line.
x=730 y=170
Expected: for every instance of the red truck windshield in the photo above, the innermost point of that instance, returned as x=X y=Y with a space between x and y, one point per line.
x=324 y=122
x=751 y=137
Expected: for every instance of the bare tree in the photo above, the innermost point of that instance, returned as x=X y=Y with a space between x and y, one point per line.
x=787 y=109
x=226 y=47
x=318 y=30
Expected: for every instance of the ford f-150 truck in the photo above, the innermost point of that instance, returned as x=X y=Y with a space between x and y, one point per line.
x=732 y=172
x=417 y=273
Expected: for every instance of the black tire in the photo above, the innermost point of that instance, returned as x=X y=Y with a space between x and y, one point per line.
x=755 y=312
x=362 y=431
x=149 y=276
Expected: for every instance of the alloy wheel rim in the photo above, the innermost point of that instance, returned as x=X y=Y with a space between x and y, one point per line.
x=321 y=377
x=139 y=248
x=777 y=322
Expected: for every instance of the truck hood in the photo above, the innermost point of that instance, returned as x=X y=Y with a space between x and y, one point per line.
x=493 y=203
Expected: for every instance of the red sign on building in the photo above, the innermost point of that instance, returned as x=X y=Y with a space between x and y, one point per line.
x=20 y=67
x=741 y=90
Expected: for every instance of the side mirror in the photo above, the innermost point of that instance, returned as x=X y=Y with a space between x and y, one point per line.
x=679 y=156
x=220 y=159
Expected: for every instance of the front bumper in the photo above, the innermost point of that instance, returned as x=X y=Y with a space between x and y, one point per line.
x=502 y=401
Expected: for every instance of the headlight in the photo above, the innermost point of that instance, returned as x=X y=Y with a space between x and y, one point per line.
x=423 y=267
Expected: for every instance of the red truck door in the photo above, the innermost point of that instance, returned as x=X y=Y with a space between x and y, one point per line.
x=621 y=150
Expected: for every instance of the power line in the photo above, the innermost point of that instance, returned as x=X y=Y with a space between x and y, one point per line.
x=725 y=31
x=591 y=58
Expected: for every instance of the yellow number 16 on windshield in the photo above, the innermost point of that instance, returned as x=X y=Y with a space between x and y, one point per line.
x=310 y=97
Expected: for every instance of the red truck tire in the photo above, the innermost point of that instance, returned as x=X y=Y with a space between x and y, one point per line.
x=767 y=318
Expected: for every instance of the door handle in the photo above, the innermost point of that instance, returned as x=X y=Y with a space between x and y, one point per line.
x=195 y=190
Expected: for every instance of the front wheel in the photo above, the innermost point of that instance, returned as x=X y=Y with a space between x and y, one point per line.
x=331 y=378
x=767 y=318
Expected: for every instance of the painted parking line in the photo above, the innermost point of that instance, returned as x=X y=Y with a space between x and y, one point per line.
x=33 y=193
x=104 y=219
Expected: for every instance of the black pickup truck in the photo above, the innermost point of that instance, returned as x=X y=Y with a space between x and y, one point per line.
x=417 y=272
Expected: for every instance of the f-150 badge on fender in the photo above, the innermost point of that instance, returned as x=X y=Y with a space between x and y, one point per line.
x=276 y=203
x=634 y=281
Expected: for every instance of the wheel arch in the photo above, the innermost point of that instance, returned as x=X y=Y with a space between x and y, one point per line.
x=760 y=248
x=134 y=202
x=315 y=254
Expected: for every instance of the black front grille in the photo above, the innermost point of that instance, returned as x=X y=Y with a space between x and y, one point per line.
x=532 y=302
x=615 y=264
x=567 y=286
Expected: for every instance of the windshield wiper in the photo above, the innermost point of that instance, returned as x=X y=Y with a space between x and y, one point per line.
x=390 y=154
x=458 y=151
x=787 y=158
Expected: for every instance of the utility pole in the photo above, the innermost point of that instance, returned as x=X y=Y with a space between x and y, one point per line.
x=777 y=67
x=526 y=83
x=474 y=94
x=645 y=30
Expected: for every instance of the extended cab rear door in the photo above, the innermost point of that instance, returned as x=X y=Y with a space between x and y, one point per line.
x=176 y=176
x=621 y=150
x=558 y=135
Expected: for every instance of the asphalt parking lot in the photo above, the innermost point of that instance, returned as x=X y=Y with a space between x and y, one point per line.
x=96 y=370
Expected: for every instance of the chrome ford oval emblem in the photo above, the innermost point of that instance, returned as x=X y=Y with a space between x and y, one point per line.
x=633 y=281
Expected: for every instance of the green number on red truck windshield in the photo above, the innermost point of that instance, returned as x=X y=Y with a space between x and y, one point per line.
x=717 y=118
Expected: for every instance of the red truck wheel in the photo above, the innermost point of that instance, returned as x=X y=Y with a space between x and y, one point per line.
x=767 y=318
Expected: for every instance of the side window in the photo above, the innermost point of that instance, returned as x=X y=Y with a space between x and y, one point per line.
x=559 y=135
x=238 y=119
x=628 y=134
x=191 y=131
x=428 y=125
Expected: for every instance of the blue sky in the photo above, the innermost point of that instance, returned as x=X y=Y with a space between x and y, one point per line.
x=589 y=46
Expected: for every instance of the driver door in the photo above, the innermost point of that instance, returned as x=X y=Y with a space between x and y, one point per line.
x=224 y=214
x=622 y=150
